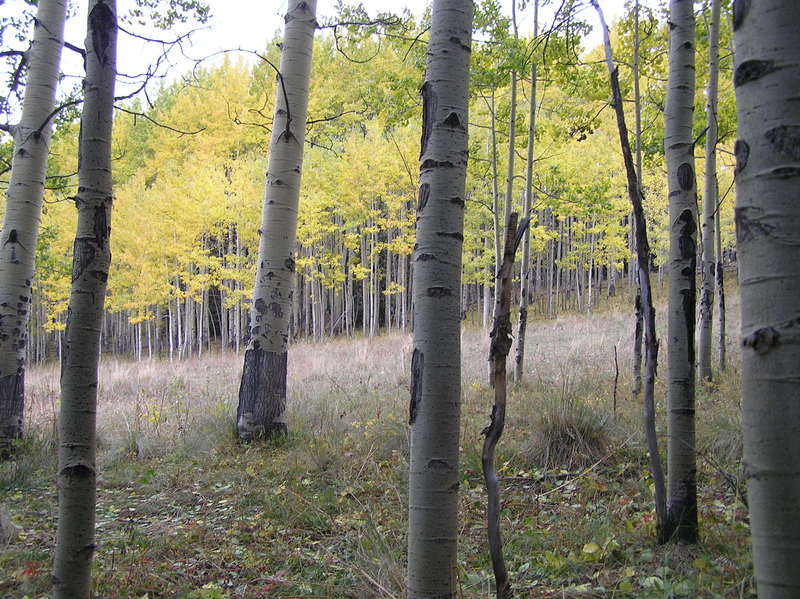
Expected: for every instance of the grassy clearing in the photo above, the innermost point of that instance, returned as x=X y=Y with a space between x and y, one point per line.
x=185 y=511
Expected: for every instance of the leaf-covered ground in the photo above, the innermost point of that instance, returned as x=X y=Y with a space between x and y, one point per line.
x=186 y=511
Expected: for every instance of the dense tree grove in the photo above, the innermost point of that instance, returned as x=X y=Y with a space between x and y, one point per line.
x=267 y=196
x=184 y=264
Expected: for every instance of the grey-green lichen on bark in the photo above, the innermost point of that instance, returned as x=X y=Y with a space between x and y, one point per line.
x=681 y=520
x=23 y=211
x=262 y=392
x=91 y=259
x=768 y=243
x=436 y=390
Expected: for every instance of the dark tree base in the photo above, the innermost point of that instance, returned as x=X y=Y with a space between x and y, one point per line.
x=262 y=396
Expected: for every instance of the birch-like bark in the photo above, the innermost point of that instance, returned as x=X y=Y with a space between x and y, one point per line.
x=90 y=263
x=436 y=360
x=23 y=212
x=767 y=80
x=262 y=393
x=681 y=523
x=524 y=285
x=709 y=266
x=643 y=274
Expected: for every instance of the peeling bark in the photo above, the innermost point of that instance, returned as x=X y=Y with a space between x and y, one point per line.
x=768 y=244
x=436 y=388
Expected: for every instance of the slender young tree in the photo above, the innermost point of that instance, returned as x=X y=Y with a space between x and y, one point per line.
x=262 y=392
x=681 y=523
x=709 y=267
x=643 y=274
x=767 y=83
x=23 y=211
x=90 y=264
x=637 y=107
x=519 y=356
x=436 y=360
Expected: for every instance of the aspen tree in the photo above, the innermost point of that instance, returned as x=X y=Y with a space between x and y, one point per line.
x=767 y=83
x=262 y=392
x=23 y=212
x=90 y=265
x=681 y=522
x=436 y=287
x=709 y=265
x=519 y=356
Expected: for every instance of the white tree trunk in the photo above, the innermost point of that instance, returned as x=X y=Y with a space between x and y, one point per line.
x=767 y=80
x=23 y=212
x=90 y=263
x=681 y=524
x=709 y=265
x=262 y=393
x=525 y=268
x=436 y=361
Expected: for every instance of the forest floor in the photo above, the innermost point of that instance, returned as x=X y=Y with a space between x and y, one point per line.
x=184 y=510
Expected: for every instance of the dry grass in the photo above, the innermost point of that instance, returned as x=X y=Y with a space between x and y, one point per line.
x=323 y=512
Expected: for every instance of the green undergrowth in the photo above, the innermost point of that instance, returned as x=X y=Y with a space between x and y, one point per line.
x=184 y=510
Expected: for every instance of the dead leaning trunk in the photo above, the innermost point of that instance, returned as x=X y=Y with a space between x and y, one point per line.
x=709 y=266
x=23 y=211
x=262 y=392
x=436 y=360
x=524 y=285
x=90 y=264
x=681 y=523
x=767 y=80
x=637 y=304
x=500 y=346
x=643 y=265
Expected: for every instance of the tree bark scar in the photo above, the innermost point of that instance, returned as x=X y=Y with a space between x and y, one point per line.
x=742 y=152
x=429 y=106
x=686 y=244
x=453 y=121
x=785 y=140
x=751 y=70
x=417 y=370
x=688 y=251
x=101 y=228
x=439 y=292
x=77 y=471
x=458 y=236
x=261 y=306
x=424 y=195
x=762 y=340
x=84 y=254
x=748 y=227
x=430 y=163
x=12 y=400
x=102 y=22
x=740 y=10
x=457 y=41
x=686 y=176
